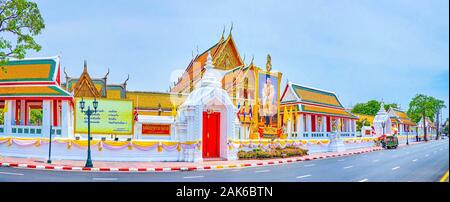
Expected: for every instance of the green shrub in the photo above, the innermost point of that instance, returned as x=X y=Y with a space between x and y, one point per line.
x=278 y=152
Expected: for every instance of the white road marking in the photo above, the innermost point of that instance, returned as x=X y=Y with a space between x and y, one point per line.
x=303 y=176
x=104 y=179
x=395 y=168
x=376 y=160
x=348 y=167
x=309 y=165
x=262 y=171
x=189 y=177
x=236 y=170
x=363 y=180
x=7 y=173
x=414 y=160
x=427 y=155
x=341 y=160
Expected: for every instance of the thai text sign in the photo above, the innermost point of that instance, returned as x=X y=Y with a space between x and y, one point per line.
x=155 y=129
x=112 y=117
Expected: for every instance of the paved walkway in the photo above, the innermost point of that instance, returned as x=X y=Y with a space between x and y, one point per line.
x=36 y=163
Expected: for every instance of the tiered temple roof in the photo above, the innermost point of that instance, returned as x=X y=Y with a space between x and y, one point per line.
x=400 y=117
x=32 y=78
x=149 y=103
x=225 y=57
x=314 y=101
x=145 y=103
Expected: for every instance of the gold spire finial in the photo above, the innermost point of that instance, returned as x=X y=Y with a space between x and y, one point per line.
x=223 y=33
x=106 y=75
x=231 y=29
x=85 y=66
x=269 y=63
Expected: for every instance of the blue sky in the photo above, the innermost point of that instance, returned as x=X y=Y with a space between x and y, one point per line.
x=361 y=49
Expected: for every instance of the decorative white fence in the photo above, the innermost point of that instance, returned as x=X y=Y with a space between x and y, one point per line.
x=29 y=131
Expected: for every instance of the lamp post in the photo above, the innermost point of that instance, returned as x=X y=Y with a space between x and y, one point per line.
x=49 y=161
x=383 y=124
x=88 y=113
x=407 y=137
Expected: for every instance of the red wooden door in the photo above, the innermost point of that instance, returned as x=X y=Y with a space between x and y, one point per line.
x=211 y=135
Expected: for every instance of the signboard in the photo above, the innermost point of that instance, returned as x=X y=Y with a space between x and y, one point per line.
x=155 y=129
x=112 y=117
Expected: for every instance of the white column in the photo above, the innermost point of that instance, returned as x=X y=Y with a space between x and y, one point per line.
x=46 y=117
x=348 y=125
x=338 y=120
x=300 y=125
x=324 y=124
x=22 y=112
x=8 y=118
x=308 y=123
x=13 y=112
x=354 y=125
x=66 y=129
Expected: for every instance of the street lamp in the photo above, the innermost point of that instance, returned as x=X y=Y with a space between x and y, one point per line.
x=407 y=137
x=88 y=113
x=49 y=161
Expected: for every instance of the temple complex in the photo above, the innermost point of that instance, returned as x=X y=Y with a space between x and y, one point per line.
x=217 y=107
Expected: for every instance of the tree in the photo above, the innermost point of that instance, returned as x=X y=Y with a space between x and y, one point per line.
x=20 y=20
x=422 y=106
x=371 y=107
x=36 y=116
x=360 y=124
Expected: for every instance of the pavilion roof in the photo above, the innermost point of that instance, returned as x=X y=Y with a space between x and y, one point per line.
x=32 y=78
x=152 y=100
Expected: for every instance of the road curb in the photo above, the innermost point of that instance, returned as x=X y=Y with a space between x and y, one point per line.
x=177 y=168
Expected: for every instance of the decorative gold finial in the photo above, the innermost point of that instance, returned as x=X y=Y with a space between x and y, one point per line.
x=231 y=29
x=223 y=33
x=85 y=66
x=269 y=63
x=106 y=75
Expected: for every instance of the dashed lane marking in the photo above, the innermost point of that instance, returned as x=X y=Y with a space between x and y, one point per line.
x=376 y=160
x=8 y=173
x=190 y=177
x=414 y=160
x=104 y=179
x=303 y=176
x=347 y=167
x=262 y=171
x=309 y=165
x=395 y=168
x=341 y=160
x=363 y=180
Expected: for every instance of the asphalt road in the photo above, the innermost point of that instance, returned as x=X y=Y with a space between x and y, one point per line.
x=426 y=162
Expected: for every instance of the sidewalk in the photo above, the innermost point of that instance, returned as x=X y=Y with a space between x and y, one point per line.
x=105 y=166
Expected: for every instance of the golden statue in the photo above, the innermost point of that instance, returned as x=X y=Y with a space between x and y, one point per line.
x=269 y=63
